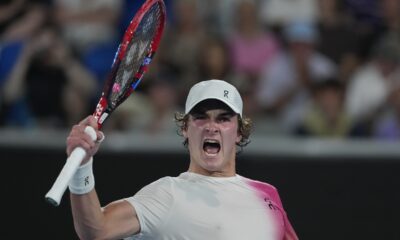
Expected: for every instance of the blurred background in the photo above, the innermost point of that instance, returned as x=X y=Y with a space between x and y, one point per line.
x=319 y=78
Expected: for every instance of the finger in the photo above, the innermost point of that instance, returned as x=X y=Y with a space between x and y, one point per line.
x=74 y=142
x=89 y=121
x=92 y=121
x=87 y=137
x=100 y=136
x=78 y=132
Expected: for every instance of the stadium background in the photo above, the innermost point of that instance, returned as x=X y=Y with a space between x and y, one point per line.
x=339 y=184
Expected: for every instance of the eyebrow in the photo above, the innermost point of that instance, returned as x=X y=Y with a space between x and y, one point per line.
x=225 y=113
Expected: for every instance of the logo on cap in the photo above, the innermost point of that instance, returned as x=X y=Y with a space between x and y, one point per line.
x=226 y=92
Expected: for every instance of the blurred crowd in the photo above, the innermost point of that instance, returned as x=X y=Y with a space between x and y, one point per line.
x=321 y=68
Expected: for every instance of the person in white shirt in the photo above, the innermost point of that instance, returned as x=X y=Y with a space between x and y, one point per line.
x=283 y=89
x=209 y=201
x=371 y=85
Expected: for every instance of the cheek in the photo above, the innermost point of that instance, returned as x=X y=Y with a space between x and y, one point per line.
x=232 y=136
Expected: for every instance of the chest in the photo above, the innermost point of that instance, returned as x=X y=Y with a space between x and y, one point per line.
x=223 y=212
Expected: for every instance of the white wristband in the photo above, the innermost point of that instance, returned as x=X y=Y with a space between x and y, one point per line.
x=83 y=180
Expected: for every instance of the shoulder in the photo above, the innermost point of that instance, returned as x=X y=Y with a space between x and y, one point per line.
x=162 y=182
x=160 y=187
x=158 y=192
x=261 y=186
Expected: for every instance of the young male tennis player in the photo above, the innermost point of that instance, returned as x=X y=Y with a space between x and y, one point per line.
x=209 y=201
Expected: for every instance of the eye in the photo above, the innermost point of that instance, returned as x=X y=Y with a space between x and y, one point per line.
x=198 y=116
x=224 y=118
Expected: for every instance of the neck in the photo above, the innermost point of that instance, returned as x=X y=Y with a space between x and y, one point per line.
x=228 y=171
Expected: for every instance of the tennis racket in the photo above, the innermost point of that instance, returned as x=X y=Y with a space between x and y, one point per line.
x=131 y=61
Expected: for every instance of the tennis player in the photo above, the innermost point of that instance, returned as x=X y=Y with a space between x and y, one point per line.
x=209 y=201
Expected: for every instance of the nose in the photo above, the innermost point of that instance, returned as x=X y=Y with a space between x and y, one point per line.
x=212 y=127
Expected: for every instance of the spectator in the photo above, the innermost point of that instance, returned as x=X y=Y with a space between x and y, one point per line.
x=148 y=110
x=387 y=126
x=18 y=23
x=391 y=15
x=278 y=13
x=368 y=89
x=325 y=116
x=251 y=47
x=163 y=99
x=181 y=43
x=214 y=61
x=47 y=86
x=20 y=20
x=367 y=24
x=88 y=24
x=337 y=39
x=285 y=83
x=218 y=16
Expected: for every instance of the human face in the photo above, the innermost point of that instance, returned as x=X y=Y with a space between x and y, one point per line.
x=212 y=136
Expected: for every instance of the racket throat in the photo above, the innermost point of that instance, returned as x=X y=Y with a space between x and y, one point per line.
x=102 y=112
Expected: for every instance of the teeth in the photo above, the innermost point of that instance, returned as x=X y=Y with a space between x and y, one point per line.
x=211 y=147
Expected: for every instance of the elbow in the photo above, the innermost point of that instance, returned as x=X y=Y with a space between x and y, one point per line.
x=83 y=236
x=90 y=233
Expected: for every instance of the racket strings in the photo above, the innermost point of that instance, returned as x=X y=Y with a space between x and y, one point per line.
x=138 y=48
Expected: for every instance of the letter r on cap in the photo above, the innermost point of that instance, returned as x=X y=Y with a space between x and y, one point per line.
x=226 y=93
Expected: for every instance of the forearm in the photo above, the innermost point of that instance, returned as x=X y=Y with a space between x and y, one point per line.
x=114 y=221
x=89 y=220
x=14 y=86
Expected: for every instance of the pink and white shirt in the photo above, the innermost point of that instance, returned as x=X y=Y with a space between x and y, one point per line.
x=196 y=207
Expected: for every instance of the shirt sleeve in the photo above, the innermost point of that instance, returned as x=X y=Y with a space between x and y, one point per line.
x=289 y=233
x=152 y=204
x=269 y=191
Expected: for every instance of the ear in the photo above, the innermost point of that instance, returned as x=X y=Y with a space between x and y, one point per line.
x=184 y=133
x=238 y=138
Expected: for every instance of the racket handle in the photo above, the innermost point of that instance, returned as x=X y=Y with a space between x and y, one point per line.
x=70 y=167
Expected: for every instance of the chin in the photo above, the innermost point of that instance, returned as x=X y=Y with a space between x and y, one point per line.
x=212 y=164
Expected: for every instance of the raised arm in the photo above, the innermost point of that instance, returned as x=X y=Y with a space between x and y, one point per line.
x=91 y=221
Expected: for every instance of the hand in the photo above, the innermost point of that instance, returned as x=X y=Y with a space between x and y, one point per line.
x=78 y=138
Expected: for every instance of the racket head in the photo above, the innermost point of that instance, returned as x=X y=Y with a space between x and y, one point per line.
x=134 y=54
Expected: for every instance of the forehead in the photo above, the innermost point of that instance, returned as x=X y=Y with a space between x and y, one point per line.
x=211 y=104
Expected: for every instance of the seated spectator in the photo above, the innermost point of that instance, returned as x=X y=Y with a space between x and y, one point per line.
x=387 y=126
x=279 y=13
x=251 y=46
x=284 y=86
x=369 y=88
x=391 y=15
x=367 y=24
x=214 y=61
x=149 y=109
x=325 y=115
x=180 y=46
x=337 y=38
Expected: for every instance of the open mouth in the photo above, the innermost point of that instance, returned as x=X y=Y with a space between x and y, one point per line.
x=211 y=146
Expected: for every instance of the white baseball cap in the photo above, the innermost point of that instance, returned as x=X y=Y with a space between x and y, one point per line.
x=214 y=89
